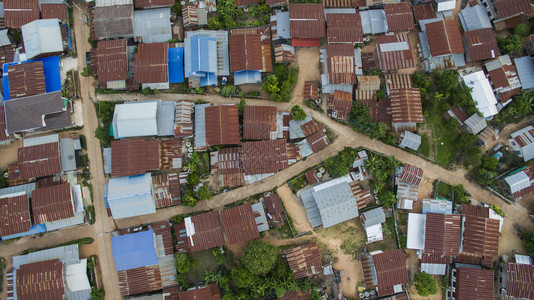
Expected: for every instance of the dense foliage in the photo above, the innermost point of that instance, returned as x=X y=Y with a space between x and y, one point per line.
x=529 y=242
x=521 y=106
x=228 y=90
x=361 y=121
x=340 y=164
x=298 y=113
x=522 y=30
x=425 y=284
x=241 y=105
x=511 y=44
x=382 y=169
x=183 y=262
x=227 y=14
x=279 y=84
x=259 y=257
x=204 y=193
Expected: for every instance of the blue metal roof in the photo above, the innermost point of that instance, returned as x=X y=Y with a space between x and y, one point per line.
x=134 y=250
x=176 y=65
x=201 y=55
x=209 y=80
x=247 y=76
x=40 y=228
x=51 y=73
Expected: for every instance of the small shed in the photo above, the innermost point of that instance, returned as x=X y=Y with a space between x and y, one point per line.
x=416 y=231
x=372 y=222
x=475 y=124
x=410 y=140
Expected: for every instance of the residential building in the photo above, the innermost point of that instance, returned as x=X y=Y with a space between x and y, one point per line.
x=250 y=54
x=406 y=195
x=57 y=206
x=340 y=105
x=112 y=63
x=374 y=21
x=283 y=53
x=166 y=189
x=372 y=223
x=411 y=174
x=212 y=46
x=113 y=19
x=20 y=12
x=369 y=83
x=311 y=90
x=442 y=242
x=54 y=9
x=152 y=3
x=475 y=124
x=306 y=24
x=14 y=215
x=259 y=123
x=304 y=260
x=410 y=140
x=406 y=109
x=480 y=236
x=472 y=283
x=508 y=13
x=516 y=279
x=313 y=143
x=274 y=208
x=228 y=164
x=474 y=17
x=143 y=118
x=503 y=78
x=216 y=125
x=262 y=159
x=394 y=51
x=131 y=196
x=344 y=3
x=152 y=25
x=424 y=11
x=280 y=25
x=183 y=124
x=385 y=272
x=151 y=66
x=440 y=52
x=208 y=292
x=340 y=63
x=134 y=157
x=437 y=205
x=399 y=16
x=200 y=232
x=457 y=113
x=345 y=27
x=259 y=217
x=240 y=224
x=521 y=183
x=36 y=160
x=482 y=93
x=481 y=44
x=42 y=38
x=488 y=136
x=194 y=15
x=31 y=77
x=445 y=5
x=525 y=71
x=415 y=238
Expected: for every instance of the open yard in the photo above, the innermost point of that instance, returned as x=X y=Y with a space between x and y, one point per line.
x=205 y=261
x=295 y=209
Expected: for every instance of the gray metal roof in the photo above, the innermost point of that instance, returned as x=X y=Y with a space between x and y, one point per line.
x=165 y=117
x=152 y=25
x=42 y=36
x=131 y=196
x=410 y=140
x=304 y=148
x=282 y=25
x=66 y=254
x=434 y=269
x=40 y=140
x=476 y=123
x=295 y=130
x=314 y=217
x=2 y=15
x=406 y=191
x=517 y=182
x=439 y=206
x=335 y=201
x=525 y=70
x=374 y=21
x=68 y=157
x=200 y=125
x=339 y=11
x=374 y=216
x=4 y=39
x=474 y=17
x=135 y=119
x=28 y=188
x=107 y=160
x=79 y=218
x=261 y=220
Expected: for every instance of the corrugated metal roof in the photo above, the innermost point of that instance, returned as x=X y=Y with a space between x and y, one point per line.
x=4 y=38
x=368 y=83
x=476 y=123
x=344 y=3
x=152 y=3
x=503 y=77
x=38 y=161
x=475 y=210
x=275 y=209
x=304 y=260
x=373 y=217
x=34 y=34
x=519 y=181
x=280 y=25
x=194 y=15
x=317 y=141
x=311 y=89
x=204 y=231
x=394 y=52
x=166 y=190
x=4 y=136
x=221 y=125
x=440 y=206
x=151 y=63
x=442 y=234
x=341 y=64
x=306 y=20
x=473 y=284
x=222 y=60
x=390 y=268
x=482 y=44
x=131 y=196
x=239 y=224
x=250 y=50
x=424 y=11
x=140 y=280
x=508 y=8
x=259 y=215
x=406 y=106
x=398 y=81
x=335 y=201
x=520 y=281
x=259 y=122
x=209 y=292
x=344 y=28
x=135 y=119
x=452 y=44
x=264 y=157
x=26 y=79
x=20 y=12
x=152 y=25
x=165 y=117
x=482 y=92
x=399 y=16
x=134 y=250
x=40 y=280
x=415 y=238
x=115 y=21
x=474 y=17
x=341 y=105
x=68 y=157
x=480 y=237
x=112 y=60
x=488 y=136
x=525 y=70
x=52 y=203
x=412 y=174
x=374 y=21
x=14 y=214
x=410 y=141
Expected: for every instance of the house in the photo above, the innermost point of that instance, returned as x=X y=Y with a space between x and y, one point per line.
x=228 y=164
x=520 y=183
x=442 y=241
x=481 y=44
x=143 y=118
x=411 y=174
x=216 y=125
x=275 y=209
x=472 y=283
x=152 y=25
x=406 y=195
x=134 y=157
x=112 y=63
x=399 y=16
x=262 y=159
x=259 y=123
x=14 y=214
x=482 y=93
x=151 y=66
x=283 y=53
x=183 y=124
x=113 y=19
x=374 y=21
x=194 y=15
x=131 y=196
x=385 y=271
x=250 y=54
x=525 y=70
x=415 y=238
x=35 y=161
x=475 y=124
x=166 y=189
x=372 y=223
x=480 y=239
x=503 y=78
x=260 y=217
x=406 y=109
x=57 y=272
x=313 y=143
x=345 y=28
x=140 y=267
x=474 y=17
x=440 y=206
x=330 y=203
x=440 y=52
x=212 y=46
x=142 y=4
x=42 y=38
x=311 y=90
x=199 y=232
x=488 y=136
x=239 y=224
x=344 y=3
x=445 y=5
x=394 y=51
x=457 y=113
x=20 y=12
x=424 y=11
x=340 y=63
x=516 y=279
x=369 y=82
x=208 y=292
x=31 y=77
x=306 y=24
x=279 y=22
x=304 y=261
x=340 y=105
x=54 y=9
x=508 y=13
x=410 y=140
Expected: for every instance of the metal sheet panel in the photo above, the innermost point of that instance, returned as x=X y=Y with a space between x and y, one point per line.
x=239 y=224
x=152 y=25
x=304 y=260
x=151 y=63
x=264 y=157
x=221 y=125
x=134 y=250
x=112 y=60
x=399 y=16
x=14 y=214
x=113 y=21
x=131 y=196
x=525 y=70
x=306 y=20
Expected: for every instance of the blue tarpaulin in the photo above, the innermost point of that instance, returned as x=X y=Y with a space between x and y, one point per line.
x=209 y=80
x=134 y=250
x=51 y=73
x=176 y=65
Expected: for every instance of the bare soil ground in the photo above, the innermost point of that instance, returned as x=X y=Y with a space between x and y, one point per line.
x=9 y=154
x=307 y=60
x=295 y=209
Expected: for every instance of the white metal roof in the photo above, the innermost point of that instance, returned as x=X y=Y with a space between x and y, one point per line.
x=434 y=269
x=416 y=231
x=525 y=70
x=40 y=140
x=444 y=5
x=112 y=2
x=66 y=254
x=374 y=233
x=336 y=204
x=4 y=38
x=482 y=93
x=76 y=277
x=523 y=259
x=517 y=182
x=131 y=196
x=439 y=206
x=474 y=17
x=476 y=123
x=374 y=21
x=135 y=119
x=152 y=25
x=410 y=140
x=200 y=125
x=42 y=36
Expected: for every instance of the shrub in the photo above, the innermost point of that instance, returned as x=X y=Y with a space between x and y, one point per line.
x=86 y=71
x=204 y=193
x=425 y=284
x=259 y=257
x=522 y=30
x=183 y=262
x=298 y=113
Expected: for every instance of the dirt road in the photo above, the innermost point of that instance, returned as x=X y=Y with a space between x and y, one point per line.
x=294 y=208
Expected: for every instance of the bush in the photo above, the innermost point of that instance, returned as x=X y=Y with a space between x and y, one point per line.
x=101 y=133
x=193 y=179
x=86 y=71
x=105 y=111
x=228 y=90
x=340 y=164
x=241 y=105
x=298 y=113
x=259 y=257
x=183 y=262
x=497 y=210
x=529 y=242
x=279 y=84
x=387 y=198
x=522 y=30
x=177 y=8
x=3 y=180
x=204 y=193
x=511 y=44
x=189 y=199
x=425 y=284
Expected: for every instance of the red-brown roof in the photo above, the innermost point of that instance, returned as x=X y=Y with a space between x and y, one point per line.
x=424 y=11
x=166 y=190
x=504 y=80
x=274 y=208
x=475 y=210
x=26 y=79
x=14 y=215
x=341 y=105
x=112 y=60
x=306 y=20
x=20 y=12
x=134 y=157
x=482 y=44
x=40 y=280
x=444 y=38
x=151 y=63
x=222 y=125
x=412 y=174
x=163 y=229
x=208 y=232
x=457 y=112
x=140 y=280
x=391 y=55
x=520 y=281
x=311 y=90
x=398 y=81
x=442 y=234
x=368 y=61
x=38 y=161
x=391 y=270
x=341 y=65
x=344 y=28
x=263 y=157
x=240 y=224
x=54 y=11
x=246 y=2
x=481 y=238
x=304 y=260
x=473 y=284
x=230 y=166
x=209 y=292
x=7 y=54
x=311 y=176
x=399 y=16
x=52 y=203
x=245 y=52
x=507 y=8
x=169 y=150
x=427 y=258
x=345 y=3
x=317 y=140
x=3 y=130
x=310 y=127
x=152 y=3
x=406 y=106
x=261 y=57
x=259 y=122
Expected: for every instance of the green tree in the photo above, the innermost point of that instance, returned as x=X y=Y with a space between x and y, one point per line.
x=241 y=105
x=182 y=281
x=193 y=178
x=387 y=198
x=522 y=30
x=529 y=242
x=183 y=262
x=3 y=180
x=204 y=193
x=105 y=110
x=259 y=257
x=511 y=44
x=228 y=90
x=460 y=195
x=298 y=113
x=270 y=84
x=101 y=133
x=97 y=294
x=189 y=199
x=489 y=162
x=242 y=277
x=340 y=164
x=177 y=8
x=425 y=284
x=380 y=94
x=86 y=71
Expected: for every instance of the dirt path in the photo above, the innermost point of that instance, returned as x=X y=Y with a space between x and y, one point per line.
x=295 y=209
x=9 y=154
x=308 y=63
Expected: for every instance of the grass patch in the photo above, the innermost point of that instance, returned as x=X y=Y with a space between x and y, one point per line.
x=91 y=211
x=424 y=148
x=205 y=261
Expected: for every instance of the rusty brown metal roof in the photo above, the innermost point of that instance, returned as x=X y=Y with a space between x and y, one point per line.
x=344 y=28
x=520 y=281
x=456 y=112
x=40 y=280
x=239 y=224
x=508 y=8
x=261 y=57
x=222 y=125
x=209 y=292
x=140 y=280
x=246 y=2
x=310 y=127
x=504 y=79
x=208 y=232
x=367 y=268
x=311 y=177
x=112 y=60
x=341 y=105
x=14 y=215
x=166 y=191
x=52 y=203
x=406 y=106
x=424 y=11
x=54 y=11
x=134 y=157
x=263 y=157
x=259 y=122
x=473 y=284
x=444 y=38
x=151 y=63
x=398 y=81
x=475 y=210
x=284 y=53
x=311 y=90
x=229 y=161
x=368 y=61
x=245 y=52
x=399 y=16
x=38 y=161
x=306 y=20
x=112 y=21
x=345 y=3
x=412 y=174
x=369 y=82
x=163 y=229
x=274 y=208
x=3 y=130
x=442 y=234
x=427 y=258
x=317 y=140
x=397 y=59
x=7 y=54
x=391 y=270
x=20 y=12
x=341 y=65
x=482 y=44
x=481 y=238
x=169 y=150
x=153 y=3
x=304 y=260
x=26 y=79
